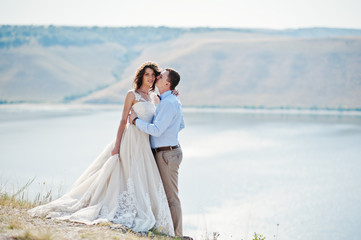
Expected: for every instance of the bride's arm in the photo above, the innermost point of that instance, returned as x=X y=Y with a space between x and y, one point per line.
x=128 y=103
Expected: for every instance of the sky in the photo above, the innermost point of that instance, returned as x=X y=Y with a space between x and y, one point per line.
x=271 y=14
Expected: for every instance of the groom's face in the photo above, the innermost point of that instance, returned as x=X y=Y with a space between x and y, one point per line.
x=162 y=82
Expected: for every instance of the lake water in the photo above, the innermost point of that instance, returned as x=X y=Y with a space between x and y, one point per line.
x=282 y=174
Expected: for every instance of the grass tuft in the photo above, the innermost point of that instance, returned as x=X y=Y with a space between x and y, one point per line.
x=19 y=199
x=35 y=235
x=15 y=224
x=258 y=237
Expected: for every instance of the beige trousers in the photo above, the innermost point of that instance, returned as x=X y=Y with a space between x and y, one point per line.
x=168 y=164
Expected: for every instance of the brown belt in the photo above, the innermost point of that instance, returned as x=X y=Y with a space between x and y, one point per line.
x=165 y=148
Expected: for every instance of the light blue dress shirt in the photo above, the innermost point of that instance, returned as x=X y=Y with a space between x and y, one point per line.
x=167 y=122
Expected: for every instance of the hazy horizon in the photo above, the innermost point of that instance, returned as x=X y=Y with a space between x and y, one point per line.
x=183 y=27
x=278 y=14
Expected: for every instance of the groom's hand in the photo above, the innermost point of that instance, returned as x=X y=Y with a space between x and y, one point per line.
x=175 y=92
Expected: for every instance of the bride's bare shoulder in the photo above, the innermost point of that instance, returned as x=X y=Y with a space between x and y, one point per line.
x=131 y=95
x=131 y=91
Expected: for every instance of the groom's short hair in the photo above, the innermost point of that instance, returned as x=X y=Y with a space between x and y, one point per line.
x=173 y=78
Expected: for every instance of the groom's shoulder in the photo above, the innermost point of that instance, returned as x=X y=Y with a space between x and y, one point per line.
x=174 y=99
x=171 y=101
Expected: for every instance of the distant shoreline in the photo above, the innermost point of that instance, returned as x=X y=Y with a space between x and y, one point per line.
x=202 y=108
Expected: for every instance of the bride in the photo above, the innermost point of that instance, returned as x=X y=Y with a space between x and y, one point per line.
x=123 y=184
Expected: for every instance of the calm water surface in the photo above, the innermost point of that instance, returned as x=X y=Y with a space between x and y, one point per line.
x=286 y=175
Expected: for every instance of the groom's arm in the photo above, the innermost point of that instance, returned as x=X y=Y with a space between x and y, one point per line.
x=162 y=120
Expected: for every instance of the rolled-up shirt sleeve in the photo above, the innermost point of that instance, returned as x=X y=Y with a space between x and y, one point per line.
x=163 y=119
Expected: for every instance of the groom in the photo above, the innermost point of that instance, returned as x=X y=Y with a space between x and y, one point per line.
x=168 y=121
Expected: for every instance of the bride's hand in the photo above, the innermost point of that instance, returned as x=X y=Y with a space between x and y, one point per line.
x=115 y=151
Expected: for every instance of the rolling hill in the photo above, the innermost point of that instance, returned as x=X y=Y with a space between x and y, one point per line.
x=219 y=67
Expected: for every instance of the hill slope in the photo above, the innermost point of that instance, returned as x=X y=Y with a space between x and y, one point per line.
x=244 y=70
x=225 y=67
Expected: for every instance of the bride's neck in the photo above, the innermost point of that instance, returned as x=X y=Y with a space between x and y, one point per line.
x=144 y=89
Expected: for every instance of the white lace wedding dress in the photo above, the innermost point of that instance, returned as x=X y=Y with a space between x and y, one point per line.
x=125 y=188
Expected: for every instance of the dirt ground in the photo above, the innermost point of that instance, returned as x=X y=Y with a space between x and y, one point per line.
x=15 y=223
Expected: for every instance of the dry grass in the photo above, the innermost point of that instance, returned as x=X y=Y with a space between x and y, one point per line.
x=36 y=235
x=19 y=198
x=15 y=222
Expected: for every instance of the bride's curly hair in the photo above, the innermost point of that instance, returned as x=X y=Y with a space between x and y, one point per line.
x=138 y=80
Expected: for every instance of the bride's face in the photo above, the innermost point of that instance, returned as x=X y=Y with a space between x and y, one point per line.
x=148 y=77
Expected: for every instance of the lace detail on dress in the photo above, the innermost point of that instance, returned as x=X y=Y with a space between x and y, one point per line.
x=126 y=211
x=164 y=219
x=139 y=97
